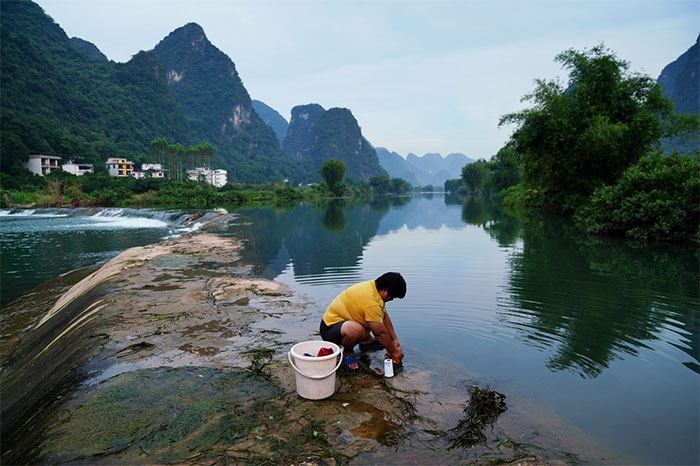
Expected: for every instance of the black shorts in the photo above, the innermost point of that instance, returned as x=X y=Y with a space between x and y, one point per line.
x=332 y=333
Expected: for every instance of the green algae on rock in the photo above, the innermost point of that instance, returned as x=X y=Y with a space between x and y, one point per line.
x=162 y=415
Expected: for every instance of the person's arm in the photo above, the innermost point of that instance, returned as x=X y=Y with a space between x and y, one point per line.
x=390 y=327
x=395 y=340
x=387 y=338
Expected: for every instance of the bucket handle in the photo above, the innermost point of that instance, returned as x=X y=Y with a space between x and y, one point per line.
x=340 y=360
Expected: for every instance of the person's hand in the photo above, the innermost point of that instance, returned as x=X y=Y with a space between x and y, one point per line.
x=396 y=356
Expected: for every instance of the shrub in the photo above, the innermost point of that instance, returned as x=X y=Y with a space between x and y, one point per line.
x=658 y=198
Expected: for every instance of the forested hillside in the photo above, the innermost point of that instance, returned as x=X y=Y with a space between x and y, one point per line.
x=62 y=96
x=680 y=81
x=297 y=142
x=217 y=107
x=270 y=116
x=55 y=98
x=315 y=135
x=88 y=48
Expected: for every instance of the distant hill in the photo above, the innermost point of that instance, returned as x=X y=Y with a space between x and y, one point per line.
x=64 y=96
x=680 y=81
x=315 y=135
x=270 y=116
x=298 y=140
x=88 y=48
x=396 y=166
x=430 y=169
x=56 y=98
x=218 y=109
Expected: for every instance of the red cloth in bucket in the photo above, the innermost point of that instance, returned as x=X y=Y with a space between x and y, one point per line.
x=324 y=352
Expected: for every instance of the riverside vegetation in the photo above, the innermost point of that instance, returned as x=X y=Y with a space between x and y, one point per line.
x=591 y=151
x=61 y=189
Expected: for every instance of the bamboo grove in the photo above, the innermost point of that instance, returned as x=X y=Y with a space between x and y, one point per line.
x=176 y=160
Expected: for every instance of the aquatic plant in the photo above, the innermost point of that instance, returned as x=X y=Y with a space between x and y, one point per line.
x=259 y=358
x=482 y=410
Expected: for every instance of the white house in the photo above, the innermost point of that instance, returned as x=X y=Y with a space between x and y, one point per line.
x=154 y=170
x=119 y=167
x=219 y=178
x=78 y=169
x=42 y=164
x=216 y=177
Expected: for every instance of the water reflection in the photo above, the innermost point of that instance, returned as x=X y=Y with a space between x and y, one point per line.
x=590 y=299
x=422 y=211
x=493 y=218
x=583 y=302
x=595 y=300
x=333 y=218
x=314 y=240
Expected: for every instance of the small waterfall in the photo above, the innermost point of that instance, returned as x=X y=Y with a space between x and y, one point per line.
x=40 y=244
x=178 y=221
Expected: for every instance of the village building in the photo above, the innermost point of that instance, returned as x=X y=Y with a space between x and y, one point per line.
x=216 y=177
x=119 y=167
x=78 y=169
x=152 y=170
x=42 y=164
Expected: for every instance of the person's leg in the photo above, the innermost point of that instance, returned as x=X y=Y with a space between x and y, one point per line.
x=332 y=333
x=346 y=334
x=367 y=339
x=353 y=332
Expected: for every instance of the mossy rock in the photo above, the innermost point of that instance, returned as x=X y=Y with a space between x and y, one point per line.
x=162 y=415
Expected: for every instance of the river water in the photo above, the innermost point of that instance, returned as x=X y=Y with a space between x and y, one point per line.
x=601 y=335
x=39 y=244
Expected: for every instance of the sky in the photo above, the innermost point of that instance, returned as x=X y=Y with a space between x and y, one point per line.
x=419 y=76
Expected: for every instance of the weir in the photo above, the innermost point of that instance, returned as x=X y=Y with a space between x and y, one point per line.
x=39 y=244
x=156 y=357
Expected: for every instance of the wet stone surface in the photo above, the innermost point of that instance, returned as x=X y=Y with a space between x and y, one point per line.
x=175 y=353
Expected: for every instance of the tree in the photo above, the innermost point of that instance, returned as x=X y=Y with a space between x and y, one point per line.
x=333 y=171
x=577 y=138
x=399 y=186
x=505 y=170
x=208 y=153
x=13 y=151
x=474 y=175
x=453 y=186
x=380 y=184
x=159 y=148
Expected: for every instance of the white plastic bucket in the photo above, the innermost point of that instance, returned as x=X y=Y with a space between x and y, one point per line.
x=315 y=376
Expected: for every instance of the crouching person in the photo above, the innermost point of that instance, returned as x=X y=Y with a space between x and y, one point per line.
x=358 y=316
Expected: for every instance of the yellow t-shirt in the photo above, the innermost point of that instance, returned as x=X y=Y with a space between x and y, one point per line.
x=360 y=302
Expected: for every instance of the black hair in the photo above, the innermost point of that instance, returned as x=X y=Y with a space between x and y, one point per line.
x=393 y=282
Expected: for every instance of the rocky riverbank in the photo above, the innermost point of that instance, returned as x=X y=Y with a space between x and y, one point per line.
x=176 y=353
